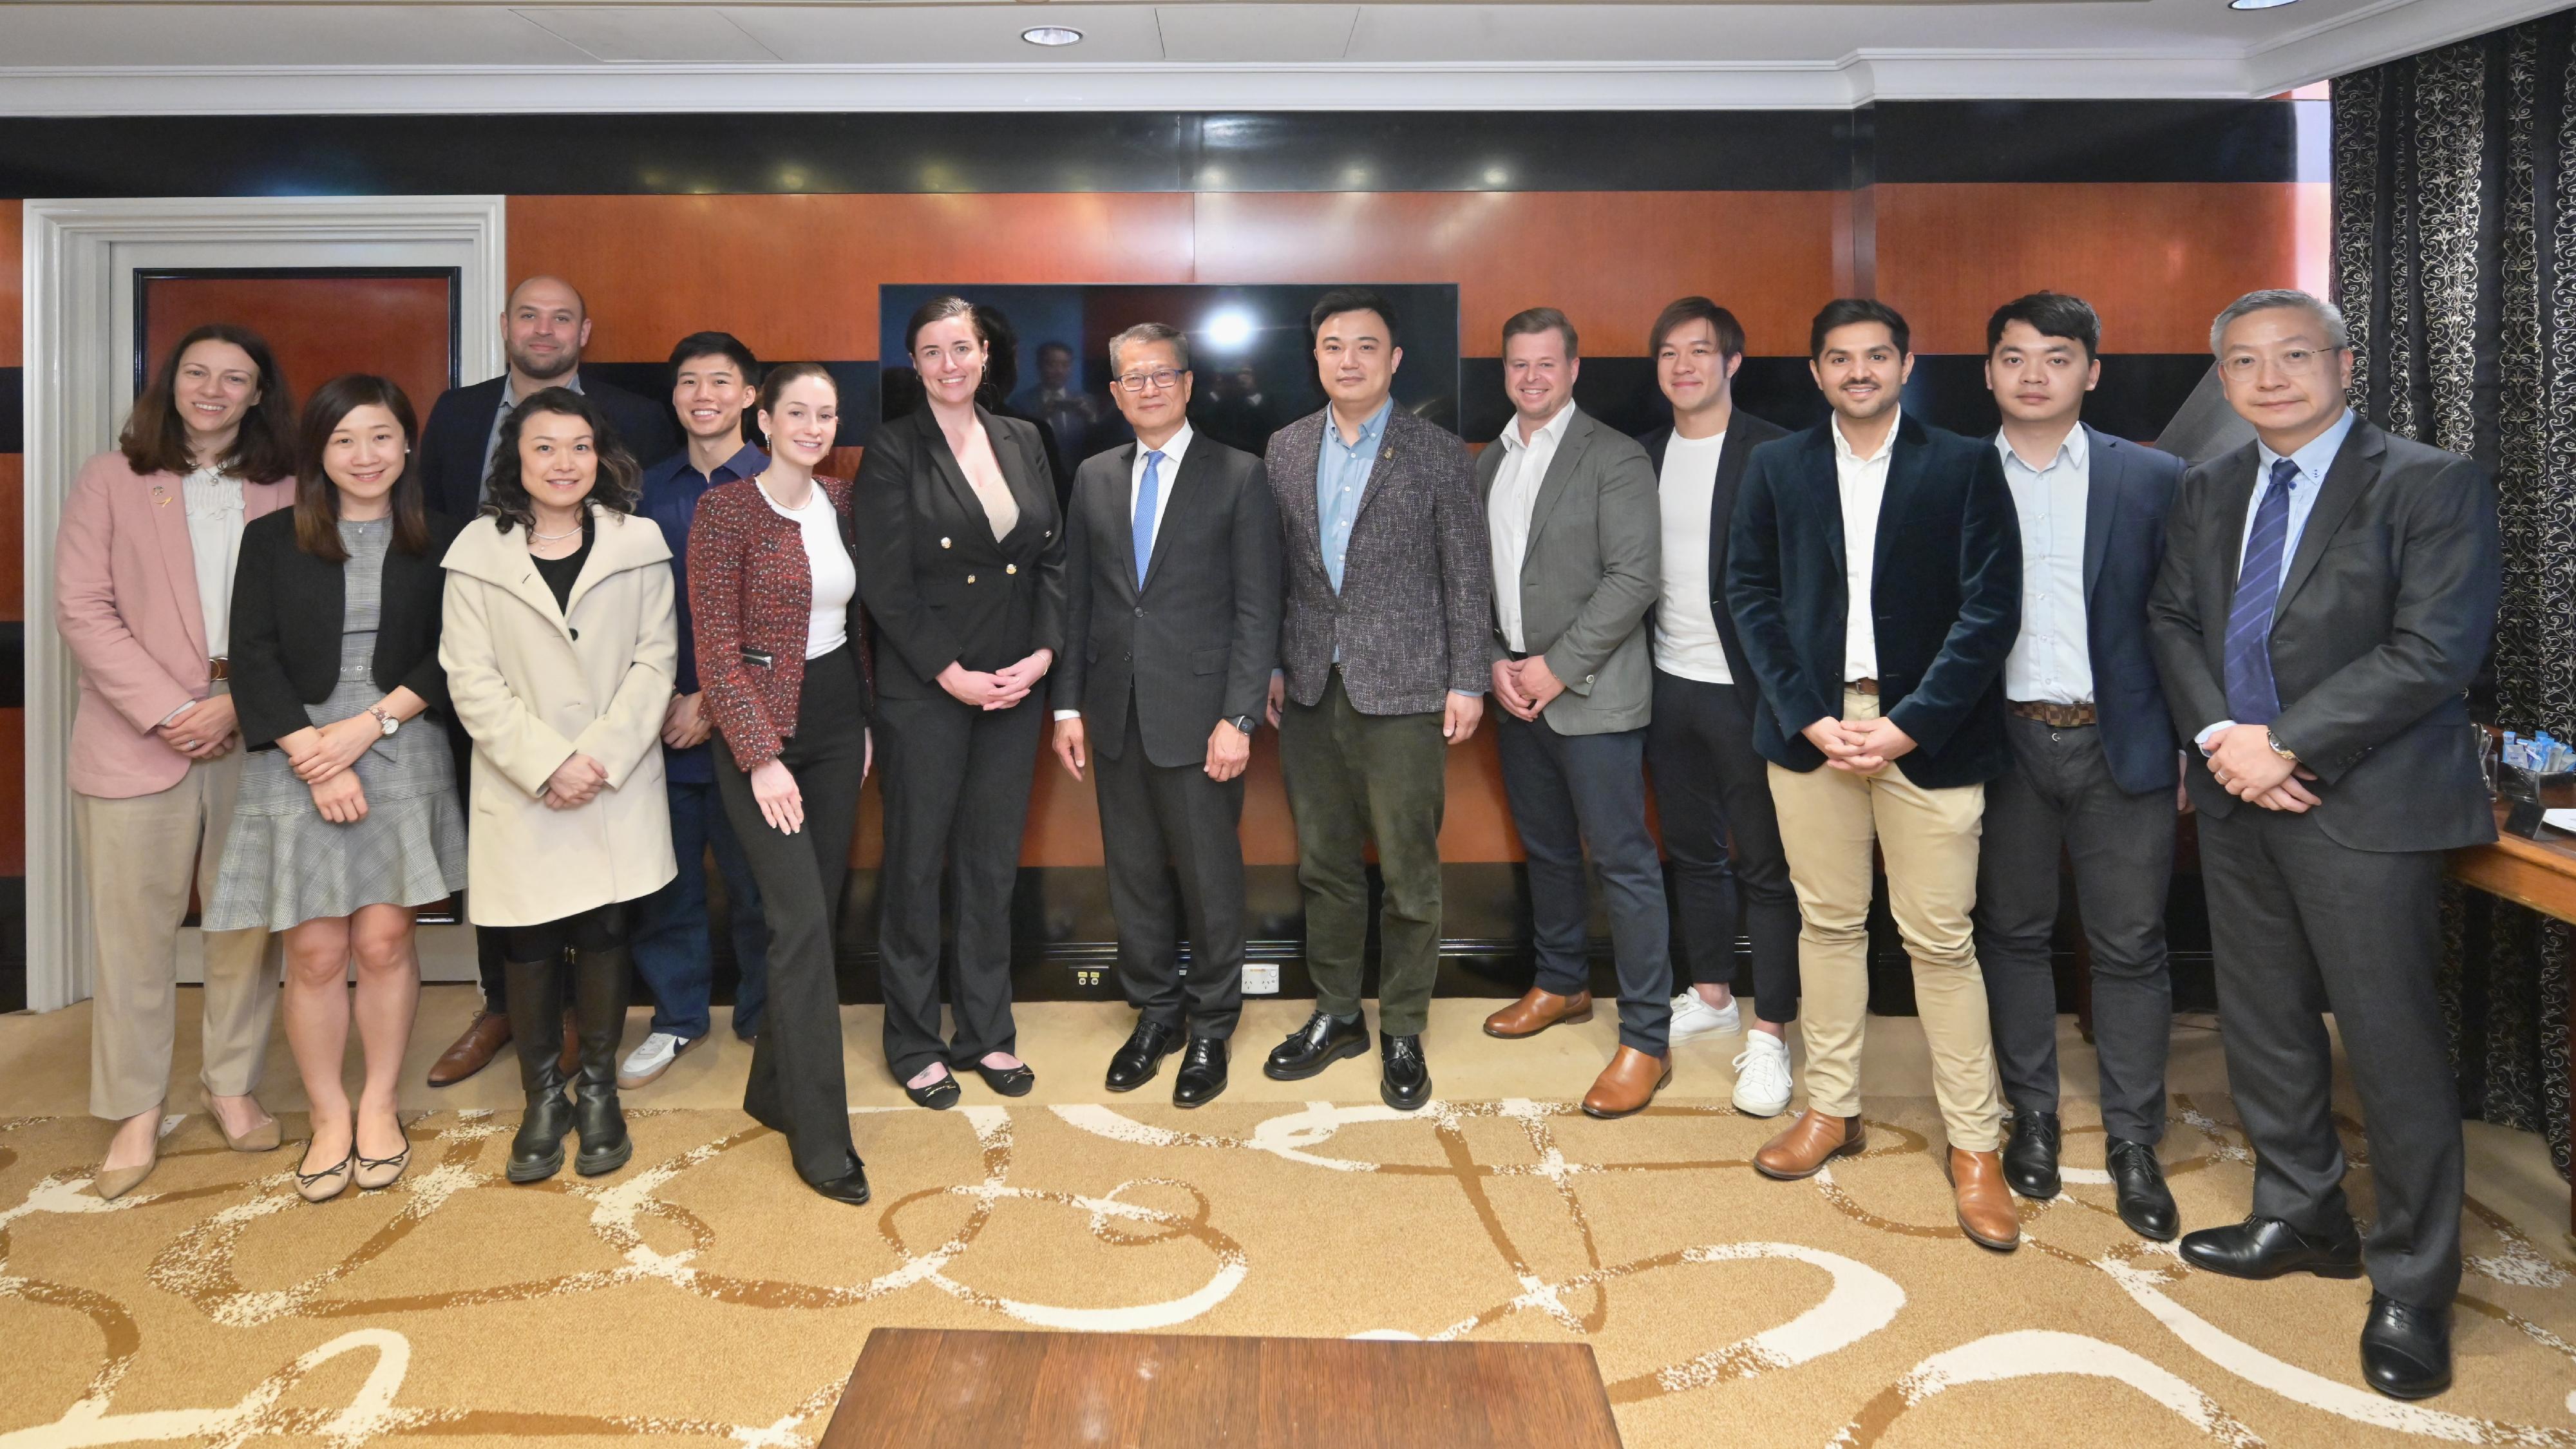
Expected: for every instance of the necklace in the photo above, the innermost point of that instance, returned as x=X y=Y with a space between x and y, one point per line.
x=551 y=537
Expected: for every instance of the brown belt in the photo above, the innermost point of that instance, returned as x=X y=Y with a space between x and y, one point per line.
x=2062 y=716
x=1861 y=686
x=219 y=669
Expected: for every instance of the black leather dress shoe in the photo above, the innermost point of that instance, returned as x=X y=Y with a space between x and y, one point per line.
x=2262 y=1247
x=1318 y=1044
x=2030 y=1156
x=851 y=1187
x=1404 y=1078
x=2406 y=1350
x=1202 y=1074
x=1009 y=1081
x=1142 y=1056
x=2138 y=1183
x=939 y=1096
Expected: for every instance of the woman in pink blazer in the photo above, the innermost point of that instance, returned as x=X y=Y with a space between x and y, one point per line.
x=143 y=574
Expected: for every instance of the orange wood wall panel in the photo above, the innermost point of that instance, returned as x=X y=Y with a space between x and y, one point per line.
x=13 y=533
x=402 y=330
x=797 y=276
x=12 y=280
x=1610 y=260
x=2157 y=261
x=13 y=792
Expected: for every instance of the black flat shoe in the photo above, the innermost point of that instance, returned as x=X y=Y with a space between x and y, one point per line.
x=1318 y=1044
x=2030 y=1156
x=1142 y=1056
x=2268 y=1247
x=2406 y=1350
x=1404 y=1078
x=1016 y=1081
x=939 y=1096
x=851 y=1187
x=1202 y=1075
x=2138 y=1180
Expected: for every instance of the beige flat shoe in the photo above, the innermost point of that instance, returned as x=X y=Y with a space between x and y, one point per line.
x=376 y=1172
x=330 y=1182
x=112 y=1183
x=263 y=1138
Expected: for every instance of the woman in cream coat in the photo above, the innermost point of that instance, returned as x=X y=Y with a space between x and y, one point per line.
x=560 y=646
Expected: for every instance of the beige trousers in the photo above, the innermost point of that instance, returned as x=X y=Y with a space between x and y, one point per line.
x=1828 y=820
x=141 y=854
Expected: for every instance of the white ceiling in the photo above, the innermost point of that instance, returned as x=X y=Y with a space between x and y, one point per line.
x=329 y=56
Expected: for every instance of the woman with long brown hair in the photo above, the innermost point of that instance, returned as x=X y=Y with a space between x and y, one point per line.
x=143 y=583
x=347 y=820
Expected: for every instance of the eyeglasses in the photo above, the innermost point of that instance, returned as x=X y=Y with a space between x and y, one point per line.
x=1159 y=380
x=2294 y=361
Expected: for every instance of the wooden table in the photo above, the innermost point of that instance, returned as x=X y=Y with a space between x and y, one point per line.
x=2540 y=874
x=1016 y=1390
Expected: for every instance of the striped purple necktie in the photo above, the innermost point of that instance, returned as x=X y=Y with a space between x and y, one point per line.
x=2252 y=696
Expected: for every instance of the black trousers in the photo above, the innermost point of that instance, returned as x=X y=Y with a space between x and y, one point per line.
x=2060 y=793
x=1569 y=792
x=796 y=1081
x=956 y=782
x=1175 y=858
x=2303 y=925
x=491 y=956
x=1709 y=787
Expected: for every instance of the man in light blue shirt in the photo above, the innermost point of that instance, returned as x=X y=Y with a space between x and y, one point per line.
x=1341 y=479
x=2310 y=461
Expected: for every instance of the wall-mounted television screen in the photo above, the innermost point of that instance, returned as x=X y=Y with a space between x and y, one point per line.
x=1252 y=363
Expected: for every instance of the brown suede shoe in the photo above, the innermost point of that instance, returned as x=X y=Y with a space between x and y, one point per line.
x=484 y=1037
x=1536 y=1011
x=1810 y=1142
x=1627 y=1084
x=1985 y=1203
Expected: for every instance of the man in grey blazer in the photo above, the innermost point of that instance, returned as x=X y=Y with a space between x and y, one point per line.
x=1171 y=630
x=1577 y=543
x=1383 y=642
x=2328 y=592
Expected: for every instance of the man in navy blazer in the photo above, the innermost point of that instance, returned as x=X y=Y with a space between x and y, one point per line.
x=1874 y=569
x=2094 y=765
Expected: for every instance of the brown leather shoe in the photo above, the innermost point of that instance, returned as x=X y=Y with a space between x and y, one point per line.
x=1536 y=1011
x=1627 y=1084
x=1810 y=1142
x=1985 y=1203
x=484 y=1037
x=568 y=1061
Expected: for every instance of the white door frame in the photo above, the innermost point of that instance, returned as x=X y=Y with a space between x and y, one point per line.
x=81 y=257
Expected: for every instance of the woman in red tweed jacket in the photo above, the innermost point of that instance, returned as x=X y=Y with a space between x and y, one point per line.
x=772 y=587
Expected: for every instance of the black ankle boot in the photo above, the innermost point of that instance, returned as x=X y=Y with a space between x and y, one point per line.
x=536 y=1031
x=599 y=986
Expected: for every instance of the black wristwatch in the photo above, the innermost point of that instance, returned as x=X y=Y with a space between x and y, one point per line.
x=1246 y=723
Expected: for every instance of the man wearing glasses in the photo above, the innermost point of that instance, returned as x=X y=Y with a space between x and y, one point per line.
x=2328 y=592
x=1171 y=631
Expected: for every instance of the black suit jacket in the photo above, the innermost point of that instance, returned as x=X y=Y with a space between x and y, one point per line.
x=1744 y=433
x=1946 y=587
x=452 y=442
x=2128 y=492
x=286 y=625
x=1197 y=643
x=938 y=585
x=2386 y=612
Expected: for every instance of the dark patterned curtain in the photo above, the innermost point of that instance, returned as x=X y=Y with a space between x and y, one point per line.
x=2455 y=263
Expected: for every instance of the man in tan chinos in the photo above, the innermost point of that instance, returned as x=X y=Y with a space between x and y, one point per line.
x=1874 y=570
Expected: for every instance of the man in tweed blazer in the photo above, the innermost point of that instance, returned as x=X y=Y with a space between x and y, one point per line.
x=1384 y=645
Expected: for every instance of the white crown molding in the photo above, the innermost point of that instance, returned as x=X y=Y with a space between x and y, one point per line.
x=2378 y=33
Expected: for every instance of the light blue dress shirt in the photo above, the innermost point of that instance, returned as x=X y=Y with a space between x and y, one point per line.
x=1341 y=477
x=2052 y=658
x=2312 y=462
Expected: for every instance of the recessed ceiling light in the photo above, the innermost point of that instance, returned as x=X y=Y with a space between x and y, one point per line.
x=2259 y=4
x=1051 y=35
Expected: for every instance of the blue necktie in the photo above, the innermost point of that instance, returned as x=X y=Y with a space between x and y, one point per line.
x=2252 y=696
x=1143 y=527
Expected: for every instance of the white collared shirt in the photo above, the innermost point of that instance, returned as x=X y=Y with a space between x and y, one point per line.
x=1507 y=513
x=216 y=511
x=1862 y=484
x=1686 y=638
x=1172 y=449
x=2052 y=658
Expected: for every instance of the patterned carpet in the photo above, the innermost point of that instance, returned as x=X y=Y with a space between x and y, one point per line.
x=699 y=1296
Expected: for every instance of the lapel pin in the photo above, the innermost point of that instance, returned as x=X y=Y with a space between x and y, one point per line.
x=1389 y=455
x=160 y=496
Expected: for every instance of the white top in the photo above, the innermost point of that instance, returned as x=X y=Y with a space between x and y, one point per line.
x=1862 y=482
x=215 y=515
x=2052 y=658
x=836 y=579
x=1172 y=449
x=1507 y=513
x=1686 y=642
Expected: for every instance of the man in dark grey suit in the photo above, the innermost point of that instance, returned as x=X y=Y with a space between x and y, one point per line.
x=2094 y=766
x=1385 y=654
x=1171 y=630
x=2328 y=592
x=1570 y=509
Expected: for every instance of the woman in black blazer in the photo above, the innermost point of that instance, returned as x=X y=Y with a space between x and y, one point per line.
x=961 y=565
x=346 y=820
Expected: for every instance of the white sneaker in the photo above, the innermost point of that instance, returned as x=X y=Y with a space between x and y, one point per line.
x=1694 y=1017
x=651 y=1059
x=1762 y=1075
